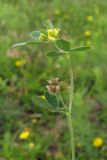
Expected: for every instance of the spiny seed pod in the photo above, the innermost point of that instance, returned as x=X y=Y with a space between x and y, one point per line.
x=53 y=89
x=53 y=86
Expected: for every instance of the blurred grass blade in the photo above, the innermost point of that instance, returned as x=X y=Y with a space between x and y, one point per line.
x=25 y=43
x=80 y=49
x=48 y=24
x=55 y=54
x=51 y=99
x=35 y=35
x=63 y=45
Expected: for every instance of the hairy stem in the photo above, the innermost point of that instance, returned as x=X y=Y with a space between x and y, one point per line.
x=71 y=82
x=70 y=107
x=71 y=135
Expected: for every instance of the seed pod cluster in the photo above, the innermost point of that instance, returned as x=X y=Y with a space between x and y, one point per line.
x=53 y=86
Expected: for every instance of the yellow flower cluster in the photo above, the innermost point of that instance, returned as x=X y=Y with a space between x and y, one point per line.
x=98 y=142
x=24 y=135
x=19 y=63
x=51 y=35
x=88 y=34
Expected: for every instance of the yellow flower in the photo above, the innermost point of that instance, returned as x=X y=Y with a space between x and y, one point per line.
x=53 y=33
x=98 y=142
x=88 y=43
x=31 y=145
x=89 y=18
x=24 y=135
x=87 y=33
x=19 y=63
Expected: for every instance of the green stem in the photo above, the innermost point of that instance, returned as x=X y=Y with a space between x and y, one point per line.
x=71 y=135
x=70 y=107
x=71 y=82
x=61 y=98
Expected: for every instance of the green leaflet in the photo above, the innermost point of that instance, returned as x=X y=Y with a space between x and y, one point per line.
x=55 y=54
x=25 y=43
x=80 y=49
x=52 y=100
x=39 y=101
x=63 y=45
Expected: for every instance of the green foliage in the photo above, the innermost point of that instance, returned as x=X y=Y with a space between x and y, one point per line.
x=80 y=49
x=63 y=45
x=40 y=102
x=54 y=88
x=25 y=43
x=19 y=84
x=52 y=99
x=55 y=53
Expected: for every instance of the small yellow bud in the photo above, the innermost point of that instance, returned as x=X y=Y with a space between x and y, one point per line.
x=19 y=63
x=42 y=37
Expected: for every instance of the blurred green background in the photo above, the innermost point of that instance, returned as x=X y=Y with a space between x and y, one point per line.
x=24 y=71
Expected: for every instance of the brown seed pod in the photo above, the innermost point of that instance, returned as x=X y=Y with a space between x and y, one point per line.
x=53 y=85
